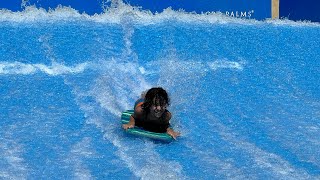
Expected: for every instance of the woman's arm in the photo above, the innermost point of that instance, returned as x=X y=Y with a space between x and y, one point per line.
x=130 y=124
x=170 y=131
x=173 y=133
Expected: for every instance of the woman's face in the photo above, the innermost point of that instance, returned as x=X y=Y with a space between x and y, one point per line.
x=156 y=109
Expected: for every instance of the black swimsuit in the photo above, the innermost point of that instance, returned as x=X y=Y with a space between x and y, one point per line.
x=159 y=126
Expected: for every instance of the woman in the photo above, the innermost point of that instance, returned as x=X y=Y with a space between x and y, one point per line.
x=150 y=113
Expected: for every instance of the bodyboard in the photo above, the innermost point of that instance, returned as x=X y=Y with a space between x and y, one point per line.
x=125 y=117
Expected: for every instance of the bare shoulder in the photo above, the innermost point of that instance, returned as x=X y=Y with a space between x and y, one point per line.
x=138 y=110
x=168 y=116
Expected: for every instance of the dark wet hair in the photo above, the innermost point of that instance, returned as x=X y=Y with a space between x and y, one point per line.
x=159 y=95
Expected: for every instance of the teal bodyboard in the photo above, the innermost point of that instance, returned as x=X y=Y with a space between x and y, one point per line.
x=125 y=117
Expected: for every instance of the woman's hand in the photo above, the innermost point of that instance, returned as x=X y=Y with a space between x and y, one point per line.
x=130 y=124
x=127 y=126
x=172 y=133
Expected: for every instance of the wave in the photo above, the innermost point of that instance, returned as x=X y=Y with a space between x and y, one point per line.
x=56 y=69
x=18 y=68
x=116 y=14
x=224 y=64
x=262 y=159
x=76 y=158
x=13 y=166
x=110 y=95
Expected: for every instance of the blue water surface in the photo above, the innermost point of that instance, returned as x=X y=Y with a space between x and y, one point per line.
x=244 y=94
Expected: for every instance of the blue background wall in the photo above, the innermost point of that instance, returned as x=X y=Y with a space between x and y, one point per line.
x=300 y=10
x=291 y=9
x=88 y=6
x=251 y=8
x=258 y=9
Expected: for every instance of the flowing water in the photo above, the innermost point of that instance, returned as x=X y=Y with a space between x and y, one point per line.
x=245 y=95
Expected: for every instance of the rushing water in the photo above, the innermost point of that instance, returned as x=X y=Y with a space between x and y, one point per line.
x=245 y=95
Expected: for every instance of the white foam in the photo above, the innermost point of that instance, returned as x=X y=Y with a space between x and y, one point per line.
x=116 y=13
x=209 y=160
x=113 y=91
x=32 y=14
x=287 y=22
x=18 y=68
x=16 y=167
x=118 y=81
x=264 y=160
x=225 y=64
x=80 y=152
